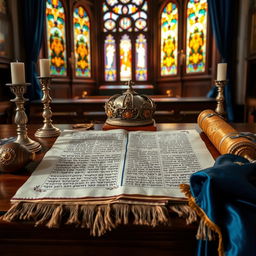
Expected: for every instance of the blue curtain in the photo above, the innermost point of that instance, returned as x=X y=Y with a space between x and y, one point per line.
x=33 y=17
x=222 y=19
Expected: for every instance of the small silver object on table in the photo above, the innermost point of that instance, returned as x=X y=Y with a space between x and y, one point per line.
x=21 y=118
x=220 y=84
x=48 y=130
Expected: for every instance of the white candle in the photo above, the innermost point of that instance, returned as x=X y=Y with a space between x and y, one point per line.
x=18 y=73
x=222 y=72
x=44 y=67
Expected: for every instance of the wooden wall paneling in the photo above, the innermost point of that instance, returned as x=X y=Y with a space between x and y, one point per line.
x=197 y=88
x=173 y=89
x=81 y=89
x=60 y=90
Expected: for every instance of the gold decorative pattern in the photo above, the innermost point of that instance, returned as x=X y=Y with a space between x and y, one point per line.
x=7 y=156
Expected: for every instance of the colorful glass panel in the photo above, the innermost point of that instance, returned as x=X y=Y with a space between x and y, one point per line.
x=132 y=8
x=140 y=24
x=169 y=42
x=112 y=2
x=125 y=58
x=141 y=58
x=196 y=36
x=4 y=31
x=56 y=38
x=118 y=9
x=5 y=50
x=125 y=23
x=109 y=24
x=125 y=1
x=135 y=19
x=139 y=15
x=125 y=16
x=104 y=8
x=110 y=15
x=138 y=2
x=145 y=6
x=125 y=10
x=110 y=58
x=3 y=8
x=81 y=23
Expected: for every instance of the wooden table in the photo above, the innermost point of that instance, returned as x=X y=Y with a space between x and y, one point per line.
x=168 y=109
x=24 y=239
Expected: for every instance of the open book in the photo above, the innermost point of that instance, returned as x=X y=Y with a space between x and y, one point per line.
x=91 y=165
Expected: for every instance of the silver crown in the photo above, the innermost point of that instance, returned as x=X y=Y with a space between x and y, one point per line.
x=130 y=109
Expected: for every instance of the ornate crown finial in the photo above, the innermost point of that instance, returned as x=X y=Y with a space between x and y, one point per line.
x=129 y=108
x=130 y=83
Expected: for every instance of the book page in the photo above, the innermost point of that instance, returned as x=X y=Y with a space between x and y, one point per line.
x=99 y=164
x=158 y=162
x=80 y=164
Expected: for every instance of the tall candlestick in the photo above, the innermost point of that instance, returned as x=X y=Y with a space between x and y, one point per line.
x=44 y=67
x=21 y=118
x=48 y=129
x=18 y=73
x=222 y=72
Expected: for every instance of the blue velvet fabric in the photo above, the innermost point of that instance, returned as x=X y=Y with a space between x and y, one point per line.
x=227 y=194
x=34 y=18
x=222 y=16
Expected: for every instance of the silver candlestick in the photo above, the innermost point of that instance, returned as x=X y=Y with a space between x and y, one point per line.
x=21 y=118
x=220 y=84
x=48 y=129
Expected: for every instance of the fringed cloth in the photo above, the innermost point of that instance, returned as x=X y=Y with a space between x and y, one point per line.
x=207 y=229
x=98 y=218
x=223 y=197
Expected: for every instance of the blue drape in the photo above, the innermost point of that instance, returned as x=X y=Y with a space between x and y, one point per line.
x=33 y=17
x=222 y=18
x=226 y=193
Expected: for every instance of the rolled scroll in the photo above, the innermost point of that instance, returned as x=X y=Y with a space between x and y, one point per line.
x=224 y=137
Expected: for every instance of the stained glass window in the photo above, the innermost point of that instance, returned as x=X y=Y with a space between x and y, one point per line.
x=5 y=32
x=56 y=38
x=3 y=7
x=110 y=58
x=125 y=58
x=196 y=36
x=169 y=40
x=81 y=25
x=122 y=19
x=133 y=9
x=141 y=58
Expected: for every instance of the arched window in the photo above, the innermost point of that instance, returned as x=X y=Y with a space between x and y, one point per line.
x=68 y=46
x=125 y=33
x=56 y=37
x=163 y=46
x=81 y=25
x=186 y=48
x=196 y=36
x=169 y=39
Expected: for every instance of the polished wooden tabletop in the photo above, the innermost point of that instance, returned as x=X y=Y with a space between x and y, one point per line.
x=178 y=238
x=10 y=182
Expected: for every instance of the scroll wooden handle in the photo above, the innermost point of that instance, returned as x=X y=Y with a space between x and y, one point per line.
x=224 y=137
